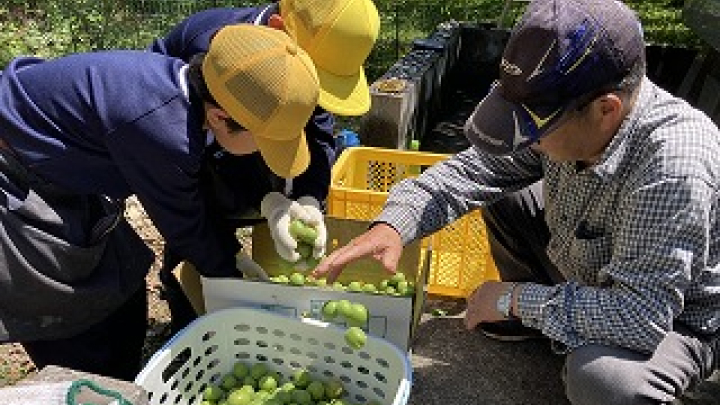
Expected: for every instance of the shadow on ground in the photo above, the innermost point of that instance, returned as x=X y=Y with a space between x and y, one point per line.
x=452 y=366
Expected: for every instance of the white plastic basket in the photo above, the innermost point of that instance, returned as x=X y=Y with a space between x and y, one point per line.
x=207 y=349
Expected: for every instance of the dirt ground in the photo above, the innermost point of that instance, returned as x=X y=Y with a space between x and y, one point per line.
x=14 y=362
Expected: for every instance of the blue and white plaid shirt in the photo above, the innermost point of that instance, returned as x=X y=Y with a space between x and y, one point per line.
x=637 y=235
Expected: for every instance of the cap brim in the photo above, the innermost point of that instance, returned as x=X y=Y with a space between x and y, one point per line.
x=495 y=126
x=344 y=95
x=501 y=127
x=286 y=158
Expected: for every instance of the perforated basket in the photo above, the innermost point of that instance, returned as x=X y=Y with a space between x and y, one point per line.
x=208 y=348
x=361 y=180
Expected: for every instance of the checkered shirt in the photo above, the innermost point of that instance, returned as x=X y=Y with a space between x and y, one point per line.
x=637 y=236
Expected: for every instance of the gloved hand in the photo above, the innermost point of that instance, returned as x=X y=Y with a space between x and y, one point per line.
x=313 y=217
x=249 y=267
x=279 y=211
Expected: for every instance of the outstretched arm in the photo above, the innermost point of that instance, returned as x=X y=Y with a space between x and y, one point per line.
x=381 y=242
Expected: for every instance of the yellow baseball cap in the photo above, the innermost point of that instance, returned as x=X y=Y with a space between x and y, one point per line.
x=338 y=35
x=268 y=84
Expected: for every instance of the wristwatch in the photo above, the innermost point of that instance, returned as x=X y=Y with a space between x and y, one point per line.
x=504 y=302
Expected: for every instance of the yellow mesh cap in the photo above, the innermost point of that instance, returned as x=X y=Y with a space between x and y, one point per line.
x=269 y=85
x=338 y=35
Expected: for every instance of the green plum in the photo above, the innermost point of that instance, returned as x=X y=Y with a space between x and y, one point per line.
x=316 y=390
x=240 y=397
x=355 y=337
x=329 y=310
x=355 y=286
x=357 y=314
x=213 y=393
x=301 y=378
x=302 y=232
x=240 y=370
x=334 y=389
x=297 y=279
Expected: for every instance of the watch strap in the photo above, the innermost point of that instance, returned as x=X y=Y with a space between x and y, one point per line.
x=504 y=302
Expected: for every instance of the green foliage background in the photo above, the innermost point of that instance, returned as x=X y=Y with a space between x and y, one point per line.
x=55 y=27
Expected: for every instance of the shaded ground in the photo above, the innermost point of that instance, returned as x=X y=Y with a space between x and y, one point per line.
x=453 y=366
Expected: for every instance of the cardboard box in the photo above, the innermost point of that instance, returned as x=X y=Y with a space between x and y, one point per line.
x=391 y=317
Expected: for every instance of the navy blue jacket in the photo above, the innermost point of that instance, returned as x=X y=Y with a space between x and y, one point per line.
x=192 y=36
x=117 y=123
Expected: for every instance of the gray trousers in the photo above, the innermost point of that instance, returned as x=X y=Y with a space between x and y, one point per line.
x=595 y=374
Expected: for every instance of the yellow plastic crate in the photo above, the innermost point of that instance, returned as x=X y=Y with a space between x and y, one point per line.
x=361 y=179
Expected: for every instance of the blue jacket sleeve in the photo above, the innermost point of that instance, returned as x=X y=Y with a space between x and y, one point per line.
x=164 y=174
x=118 y=123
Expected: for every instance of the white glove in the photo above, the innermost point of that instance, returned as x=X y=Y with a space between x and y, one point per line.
x=313 y=217
x=279 y=211
x=249 y=267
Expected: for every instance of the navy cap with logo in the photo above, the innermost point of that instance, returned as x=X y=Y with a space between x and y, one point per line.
x=560 y=52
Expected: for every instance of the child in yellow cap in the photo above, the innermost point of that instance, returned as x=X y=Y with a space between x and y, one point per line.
x=338 y=35
x=122 y=123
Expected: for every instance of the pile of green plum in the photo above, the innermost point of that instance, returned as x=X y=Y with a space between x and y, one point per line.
x=396 y=285
x=305 y=235
x=257 y=384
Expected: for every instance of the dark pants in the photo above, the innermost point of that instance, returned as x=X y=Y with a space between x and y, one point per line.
x=518 y=237
x=113 y=347
x=595 y=374
x=181 y=310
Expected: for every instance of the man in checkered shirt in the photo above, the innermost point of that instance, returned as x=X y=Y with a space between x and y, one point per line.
x=601 y=195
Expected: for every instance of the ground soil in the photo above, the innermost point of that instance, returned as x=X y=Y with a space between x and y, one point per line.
x=14 y=362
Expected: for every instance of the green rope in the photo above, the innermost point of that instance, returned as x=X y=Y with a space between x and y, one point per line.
x=76 y=386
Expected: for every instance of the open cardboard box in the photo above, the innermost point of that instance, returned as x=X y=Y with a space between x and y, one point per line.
x=394 y=318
